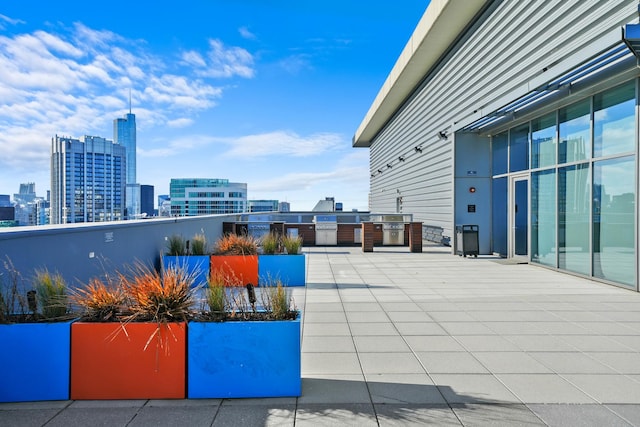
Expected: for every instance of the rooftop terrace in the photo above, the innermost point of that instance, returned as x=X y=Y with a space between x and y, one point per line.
x=398 y=338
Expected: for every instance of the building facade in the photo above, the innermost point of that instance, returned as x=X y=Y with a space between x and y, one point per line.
x=124 y=134
x=146 y=200
x=205 y=196
x=262 y=206
x=87 y=180
x=521 y=118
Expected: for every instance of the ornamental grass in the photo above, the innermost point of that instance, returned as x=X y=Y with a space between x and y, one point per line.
x=101 y=302
x=236 y=244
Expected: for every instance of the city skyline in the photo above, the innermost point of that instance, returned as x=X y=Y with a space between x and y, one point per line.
x=270 y=95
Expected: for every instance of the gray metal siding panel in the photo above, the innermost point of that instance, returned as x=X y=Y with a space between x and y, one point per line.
x=507 y=53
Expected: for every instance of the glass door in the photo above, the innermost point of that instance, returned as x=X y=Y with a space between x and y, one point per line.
x=519 y=217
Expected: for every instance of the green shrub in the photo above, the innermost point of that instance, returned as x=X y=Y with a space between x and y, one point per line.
x=292 y=244
x=199 y=245
x=51 y=290
x=270 y=243
x=176 y=246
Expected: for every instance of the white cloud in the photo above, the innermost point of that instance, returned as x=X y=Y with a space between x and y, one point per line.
x=228 y=61
x=180 y=123
x=246 y=34
x=284 y=143
x=294 y=64
x=4 y=18
x=75 y=80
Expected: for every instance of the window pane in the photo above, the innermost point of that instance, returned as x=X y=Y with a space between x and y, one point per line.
x=543 y=141
x=575 y=134
x=613 y=220
x=543 y=217
x=499 y=215
x=573 y=218
x=519 y=148
x=614 y=121
x=500 y=153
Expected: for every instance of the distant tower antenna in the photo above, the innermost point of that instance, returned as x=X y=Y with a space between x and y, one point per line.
x=129 y=100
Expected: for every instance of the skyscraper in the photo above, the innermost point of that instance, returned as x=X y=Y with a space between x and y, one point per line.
x=87 y=180
x=124 y=134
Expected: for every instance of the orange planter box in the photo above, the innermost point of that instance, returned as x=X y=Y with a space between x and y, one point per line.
x=243 y=267
x=109 y=361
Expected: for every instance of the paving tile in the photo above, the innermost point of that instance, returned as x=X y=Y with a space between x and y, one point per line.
x=328 y=344
x=400 y=306
x=409 y=316
x=624 y=363
x=432 y=343
x=450 y=363
x=356 y=414
x=403 y=388
x=419 y=328
x=630 y=413
x=375 y=344
x=367 y=316
x=510 y=362
x=451 y=316
x=361 y=306
x=327 y=389
x=595 y=343
x=539 y=343
x=26 y=417
x=466 y=328
x=543 y=388
x=485 y=343
x=323 y=307
x=607 y=388
x=325 y=329
x=571 y=363
x=473 y=388
x=191 y=415
x=390 y=363
x=325 y=317
x=578 y=415
x=496 y=415
x=415 y=415
x=330 y=363
x=253 y=415
x=85 y=416
x=373 y=329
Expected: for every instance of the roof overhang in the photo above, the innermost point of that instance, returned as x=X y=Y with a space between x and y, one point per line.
x=439 y=27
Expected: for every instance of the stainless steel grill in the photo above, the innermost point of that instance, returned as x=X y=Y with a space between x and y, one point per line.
x=326 y=230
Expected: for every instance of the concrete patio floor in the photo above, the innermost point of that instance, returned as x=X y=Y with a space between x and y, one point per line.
x=397 y=338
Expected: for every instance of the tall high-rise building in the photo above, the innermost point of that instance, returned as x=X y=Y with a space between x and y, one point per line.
x=146 y=200
x=204 y=196
x=88 y=177
x=124 y=133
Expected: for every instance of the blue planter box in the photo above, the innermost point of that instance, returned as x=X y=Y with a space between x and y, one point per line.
x=290 y=269
x=243 y=359
x=198 y=264
x=34 y=361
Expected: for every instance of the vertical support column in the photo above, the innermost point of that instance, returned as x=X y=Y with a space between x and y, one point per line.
x=415 y=237
x=367 y=237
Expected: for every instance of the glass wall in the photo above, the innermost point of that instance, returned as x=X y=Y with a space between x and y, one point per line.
x=583 y=173
x=574 y=193
x=613 y=220
x=543 y=217
x=519 y=148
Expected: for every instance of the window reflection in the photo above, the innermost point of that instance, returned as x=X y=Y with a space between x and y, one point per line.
x=614 y=121
x=575 y=135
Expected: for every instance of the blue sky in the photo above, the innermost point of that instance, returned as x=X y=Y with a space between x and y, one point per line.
x=267 y=92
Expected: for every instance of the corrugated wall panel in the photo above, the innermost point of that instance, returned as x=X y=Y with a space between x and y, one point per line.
x=519 y=43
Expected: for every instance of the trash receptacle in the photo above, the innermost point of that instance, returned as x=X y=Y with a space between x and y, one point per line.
x=467 y=240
